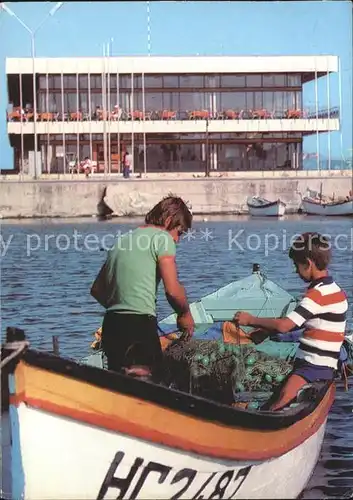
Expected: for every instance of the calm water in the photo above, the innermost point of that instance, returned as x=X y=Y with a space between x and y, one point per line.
x=49 y=267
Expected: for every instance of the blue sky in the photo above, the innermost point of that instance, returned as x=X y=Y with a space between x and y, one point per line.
x=190 y=28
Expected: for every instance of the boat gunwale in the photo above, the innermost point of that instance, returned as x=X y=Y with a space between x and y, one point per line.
x=191 y=405
x=329 y=204
x=267 y=205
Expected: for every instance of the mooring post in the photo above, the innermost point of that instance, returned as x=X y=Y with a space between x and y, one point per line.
x=55 y=345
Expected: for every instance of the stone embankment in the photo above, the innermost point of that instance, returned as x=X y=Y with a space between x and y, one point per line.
x=135 y=196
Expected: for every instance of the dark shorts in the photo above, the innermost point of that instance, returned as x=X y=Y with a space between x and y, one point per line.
x=311 y=373
x=131 y=339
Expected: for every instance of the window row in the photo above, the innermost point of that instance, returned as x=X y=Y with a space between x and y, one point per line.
x=169 y=137
x=168 y=81
x=183 y=157
x=181 y=102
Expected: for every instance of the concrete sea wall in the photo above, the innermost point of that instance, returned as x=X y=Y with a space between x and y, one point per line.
x=78 y=198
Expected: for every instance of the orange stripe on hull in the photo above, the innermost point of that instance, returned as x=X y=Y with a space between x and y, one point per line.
x=141 y=419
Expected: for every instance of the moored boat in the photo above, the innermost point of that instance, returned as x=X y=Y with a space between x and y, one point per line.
x=93 y=433
x=330 y=208
x=260 y=207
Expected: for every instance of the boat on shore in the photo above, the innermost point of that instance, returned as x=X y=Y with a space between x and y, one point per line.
x=260 y=207
x=93 y=433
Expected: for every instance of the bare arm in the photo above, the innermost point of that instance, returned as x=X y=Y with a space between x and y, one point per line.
x=98 y=289
x=174 y=291
x=281 y=325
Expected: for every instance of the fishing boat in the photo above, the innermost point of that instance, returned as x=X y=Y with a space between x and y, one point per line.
x=79 y=431
x=260 y=207
x=316 y=204
x=330 y=208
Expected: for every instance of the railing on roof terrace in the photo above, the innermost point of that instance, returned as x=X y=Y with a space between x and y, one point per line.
x=324 y=113
x=26 y=115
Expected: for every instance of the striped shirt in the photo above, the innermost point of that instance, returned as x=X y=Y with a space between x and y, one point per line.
x=322 y=312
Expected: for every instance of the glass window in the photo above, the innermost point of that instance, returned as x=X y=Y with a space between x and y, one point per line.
x=268 y=100
x=231 y=100
x=83 y=81
x=57 y=82
x=70 y=82
x=42 y=102
x=153 y=81
x=268 y=80
x=249 y=100
x=190 y=101
x=137 y=81
x=166 y=100
x=294 y=80
x=171 y=81
x=192 y=81
x=278 y=101
x=52 y=104
x=138 y=104
x=125 y=81
x=298 y=100
x=174 y=101
x=84 y=151
x=83 y=104
x=233 y=81
x=258 y=103
x=212 y=81
x=42 y=82
x=112 y=82
x=96 y=82
x=153 y=101
x=280 y=80
x=254 y=80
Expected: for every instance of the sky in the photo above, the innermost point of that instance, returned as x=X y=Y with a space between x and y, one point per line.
x=191 y=28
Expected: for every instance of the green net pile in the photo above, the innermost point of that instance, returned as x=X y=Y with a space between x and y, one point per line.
x=220 y=371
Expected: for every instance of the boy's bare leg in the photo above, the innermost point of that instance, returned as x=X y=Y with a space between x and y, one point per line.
x=289 y=391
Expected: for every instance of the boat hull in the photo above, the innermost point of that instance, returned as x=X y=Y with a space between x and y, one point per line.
x=271 y=209
x=80 y=432
x=72 y=460
x=312 y=208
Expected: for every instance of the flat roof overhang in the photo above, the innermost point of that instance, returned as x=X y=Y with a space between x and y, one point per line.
x=306 y=65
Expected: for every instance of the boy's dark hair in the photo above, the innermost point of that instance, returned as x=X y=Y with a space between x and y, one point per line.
x=313 y=246
x=170 y=206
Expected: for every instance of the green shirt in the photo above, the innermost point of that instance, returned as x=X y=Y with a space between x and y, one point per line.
x=132 y=275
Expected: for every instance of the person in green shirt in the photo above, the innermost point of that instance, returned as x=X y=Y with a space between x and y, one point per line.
x=127 y=287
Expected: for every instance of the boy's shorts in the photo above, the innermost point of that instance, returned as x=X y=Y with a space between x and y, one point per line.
x=312 y=373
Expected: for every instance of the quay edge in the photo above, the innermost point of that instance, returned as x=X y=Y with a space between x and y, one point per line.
x=51 y=198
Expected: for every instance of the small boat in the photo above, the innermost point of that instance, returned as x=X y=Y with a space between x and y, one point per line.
x=316 y=204
x=330 y=208
x=79 y=431
x=260 y=207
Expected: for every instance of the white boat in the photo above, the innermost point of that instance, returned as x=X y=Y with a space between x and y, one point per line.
x=77 y=431
x=80 y=432
x=260 y=207
x=312 y=206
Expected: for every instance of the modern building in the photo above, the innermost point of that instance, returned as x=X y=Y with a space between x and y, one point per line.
x=170 y=113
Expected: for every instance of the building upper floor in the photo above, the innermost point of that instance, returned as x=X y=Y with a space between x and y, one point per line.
x=164 y=88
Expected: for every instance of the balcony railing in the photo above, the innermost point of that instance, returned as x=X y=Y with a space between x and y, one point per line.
x=27 y=115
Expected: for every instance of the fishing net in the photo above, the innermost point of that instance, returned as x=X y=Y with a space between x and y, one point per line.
x=222 y=371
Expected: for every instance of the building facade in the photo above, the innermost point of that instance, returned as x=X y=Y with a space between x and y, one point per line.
x=172 y=114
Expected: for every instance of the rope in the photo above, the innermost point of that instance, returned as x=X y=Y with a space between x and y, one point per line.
x=18 y=348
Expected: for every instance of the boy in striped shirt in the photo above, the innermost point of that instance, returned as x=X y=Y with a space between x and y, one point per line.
x=322 y=312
